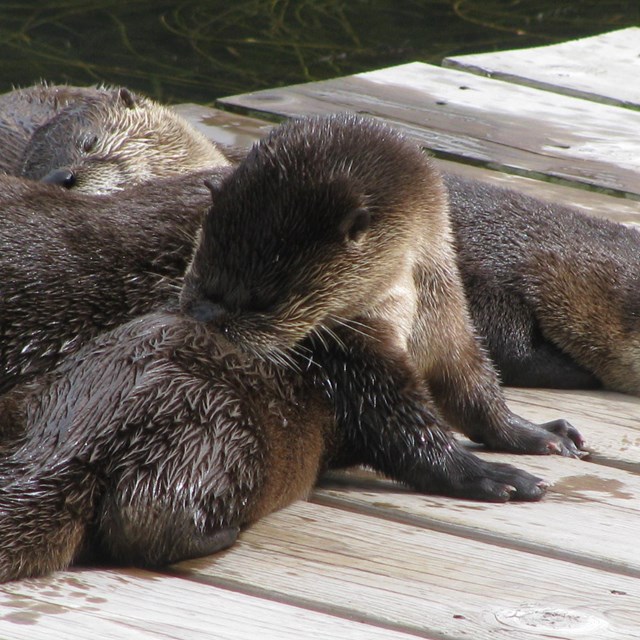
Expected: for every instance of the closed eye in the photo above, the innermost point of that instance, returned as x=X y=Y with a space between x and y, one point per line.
x=89 y=143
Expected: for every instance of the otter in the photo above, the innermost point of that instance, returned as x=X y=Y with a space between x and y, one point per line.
x=112 y=141
x=332 y=227
x=555 y=293
x=75 y=264
x=157 y=441
x=22 y=111
x=153 y=443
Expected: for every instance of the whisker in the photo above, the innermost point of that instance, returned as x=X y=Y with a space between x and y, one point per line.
x=357 y=327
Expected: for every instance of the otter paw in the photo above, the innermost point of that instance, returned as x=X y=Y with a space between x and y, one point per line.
x=462 y=474
x=571 y=442
x=499 y=482
x=556 y=437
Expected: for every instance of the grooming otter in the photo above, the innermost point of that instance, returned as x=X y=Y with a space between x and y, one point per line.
x=554 y=292
x=73 y=264
x=338 y=226
x=22 y=111
x=118 y=139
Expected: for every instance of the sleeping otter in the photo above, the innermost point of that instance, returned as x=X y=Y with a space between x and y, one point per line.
x=555 y=293
x=22 y=111
x=115 y=140
x=73 y=264
x=522 y=351
x=336 y=226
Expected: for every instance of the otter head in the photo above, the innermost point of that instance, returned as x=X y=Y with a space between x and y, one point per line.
x=111 y=141
x=297 y=239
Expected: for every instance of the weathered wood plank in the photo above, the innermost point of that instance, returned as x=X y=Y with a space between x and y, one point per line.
x=479 y=120
x=590 y=516
x=223 y=127
x=105 y=605
x=425 y=581
x=602 y=68
x=590 y=202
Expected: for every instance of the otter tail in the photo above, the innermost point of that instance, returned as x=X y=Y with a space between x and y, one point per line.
x=43 y=519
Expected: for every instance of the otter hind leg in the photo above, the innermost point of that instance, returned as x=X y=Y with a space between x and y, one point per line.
x=151 y=534
x=536 y=362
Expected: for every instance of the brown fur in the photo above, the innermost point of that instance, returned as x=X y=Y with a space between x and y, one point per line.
x=73 y=265
x=22 y=111
x=117 y=139
x=157 y=441
x=554 y=292
x=339 y=223
x=153 y=444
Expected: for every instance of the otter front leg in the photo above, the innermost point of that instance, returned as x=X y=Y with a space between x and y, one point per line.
x=387 y=422
x=463 y=381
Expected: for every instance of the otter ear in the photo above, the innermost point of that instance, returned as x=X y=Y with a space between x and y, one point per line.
x=127 y=98
x=355 y=224
x=215 y=180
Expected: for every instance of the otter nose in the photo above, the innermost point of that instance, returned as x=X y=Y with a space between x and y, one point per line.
x=207 y=311
x=62 y=177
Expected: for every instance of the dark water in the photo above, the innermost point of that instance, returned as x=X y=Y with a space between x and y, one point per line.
x=203 y=49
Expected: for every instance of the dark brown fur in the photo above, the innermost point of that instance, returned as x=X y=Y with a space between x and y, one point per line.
x=22 y=111
x=157 y=441
x=73 y=265
x=114 y=140
x=338 y=225
x=555 y=293
x=153 y=444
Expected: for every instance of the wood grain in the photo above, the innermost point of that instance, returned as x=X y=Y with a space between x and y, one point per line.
x=596 y=68
x=139 y=604
x=479 y=121
x=425 y=581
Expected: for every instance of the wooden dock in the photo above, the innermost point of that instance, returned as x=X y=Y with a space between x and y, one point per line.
x=364 y=558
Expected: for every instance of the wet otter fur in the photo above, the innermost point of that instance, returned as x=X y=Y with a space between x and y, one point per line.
x=338 y=225
x=157 y=441
x=117 y=139
x=152 y=444
x=22 y=111
x=555 y=293
x=73 y=265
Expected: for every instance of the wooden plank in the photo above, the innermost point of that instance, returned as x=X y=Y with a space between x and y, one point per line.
x=137 y=604
x=603 y=68
x=590 y=516
x=479 y=120
x=421 y=580
x=589 y=202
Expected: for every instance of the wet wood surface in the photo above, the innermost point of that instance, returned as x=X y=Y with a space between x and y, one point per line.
x=365 y=558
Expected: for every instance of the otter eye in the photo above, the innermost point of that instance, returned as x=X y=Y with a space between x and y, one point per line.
x=89 y=143
x=355 y=224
